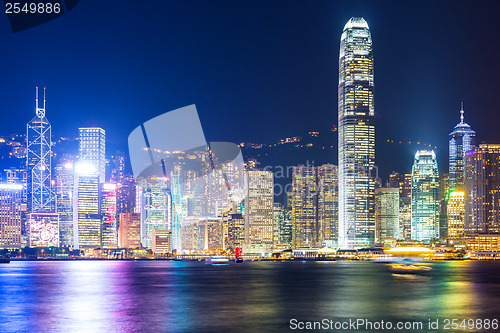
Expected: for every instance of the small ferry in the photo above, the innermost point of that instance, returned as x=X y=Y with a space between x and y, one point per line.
x=406 y=268
x=238 y=259
x=217 y=260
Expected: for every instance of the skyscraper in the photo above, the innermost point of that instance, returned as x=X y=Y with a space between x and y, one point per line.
x=403 y=182
x=155 y=206
x=425 y=196
x=259 y=219
x=304 y=207
x=92 y=149
x=11 y=209
x=386 y=214
x=86 y=207
x=38 y=162
x=129 y=235
x=109 y=231
x=328 y=203
x=482 y=190
x=356 y=115
x=64 y=182
x=462 y=140
x=455 y=213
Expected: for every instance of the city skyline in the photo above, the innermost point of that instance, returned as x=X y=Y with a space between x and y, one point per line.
x=85 y=102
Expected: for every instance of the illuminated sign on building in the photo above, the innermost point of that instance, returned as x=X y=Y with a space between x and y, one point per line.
x=44 y=229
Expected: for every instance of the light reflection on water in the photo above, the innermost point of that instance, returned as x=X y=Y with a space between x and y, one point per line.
x=166 y=296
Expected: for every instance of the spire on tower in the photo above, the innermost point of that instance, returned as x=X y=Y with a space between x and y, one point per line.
x=462 y=114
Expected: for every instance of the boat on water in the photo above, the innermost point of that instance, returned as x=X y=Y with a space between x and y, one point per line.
x=406 y=268
x=238 y=259
x=217 y=260
x=4 y=260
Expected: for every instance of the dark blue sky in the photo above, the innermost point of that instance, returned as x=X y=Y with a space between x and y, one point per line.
x=257 y=70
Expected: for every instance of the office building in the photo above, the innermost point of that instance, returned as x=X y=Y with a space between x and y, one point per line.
x=129 y=234
x=109 y=230
x=462 y=140
x=328 y=204
x=155 y=207
x=455 y=213
x=92 y=149
x=305 y=207
x=425 y=197
x=63 y=188
x=482 y=190
x=12 y=209
x=86 y=207
x=162 y=241
x=356 y=131
x=235 y=231
x=386 y=214
x=259 y=220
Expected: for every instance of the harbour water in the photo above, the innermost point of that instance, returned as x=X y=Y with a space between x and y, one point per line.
x=169 y=296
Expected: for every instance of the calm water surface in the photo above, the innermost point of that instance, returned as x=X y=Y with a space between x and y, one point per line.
x=166 y=296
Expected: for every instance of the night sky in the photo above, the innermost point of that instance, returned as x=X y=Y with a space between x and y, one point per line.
x=257 y=71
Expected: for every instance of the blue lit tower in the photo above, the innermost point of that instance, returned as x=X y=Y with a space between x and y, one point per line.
x=356 y=115
x=38 y=162
x=425 y=196
x=462 y=140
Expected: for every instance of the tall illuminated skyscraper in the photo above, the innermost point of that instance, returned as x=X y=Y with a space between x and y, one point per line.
x=92 y=149
x=482 y=190
x=305 y=207
x=63 y=187
x=38 y=162
x=259 y=218
x=86 y=207
x=462 y=140
x=356 y=115
x=425 y=196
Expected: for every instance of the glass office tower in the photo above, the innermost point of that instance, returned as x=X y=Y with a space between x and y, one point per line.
x=425 y=196
x=356 y=136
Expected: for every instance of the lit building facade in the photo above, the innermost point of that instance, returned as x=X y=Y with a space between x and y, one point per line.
x=129 y=234
x=425 y=196
x=210 y=235
x=162 y=241
x=356 y=130
x=155 y=207
x=86 y=207
x=44 y=229
x=259 y=220
x=386 y=214
x=462 y=140
x=305 y=207
x=92 y=149
x=235 y=231
x=482 y=190
x=11 y=211
x=455 y=213
x=403 y=182
x=109 y=231
x=328 y=203
x=63 y=188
